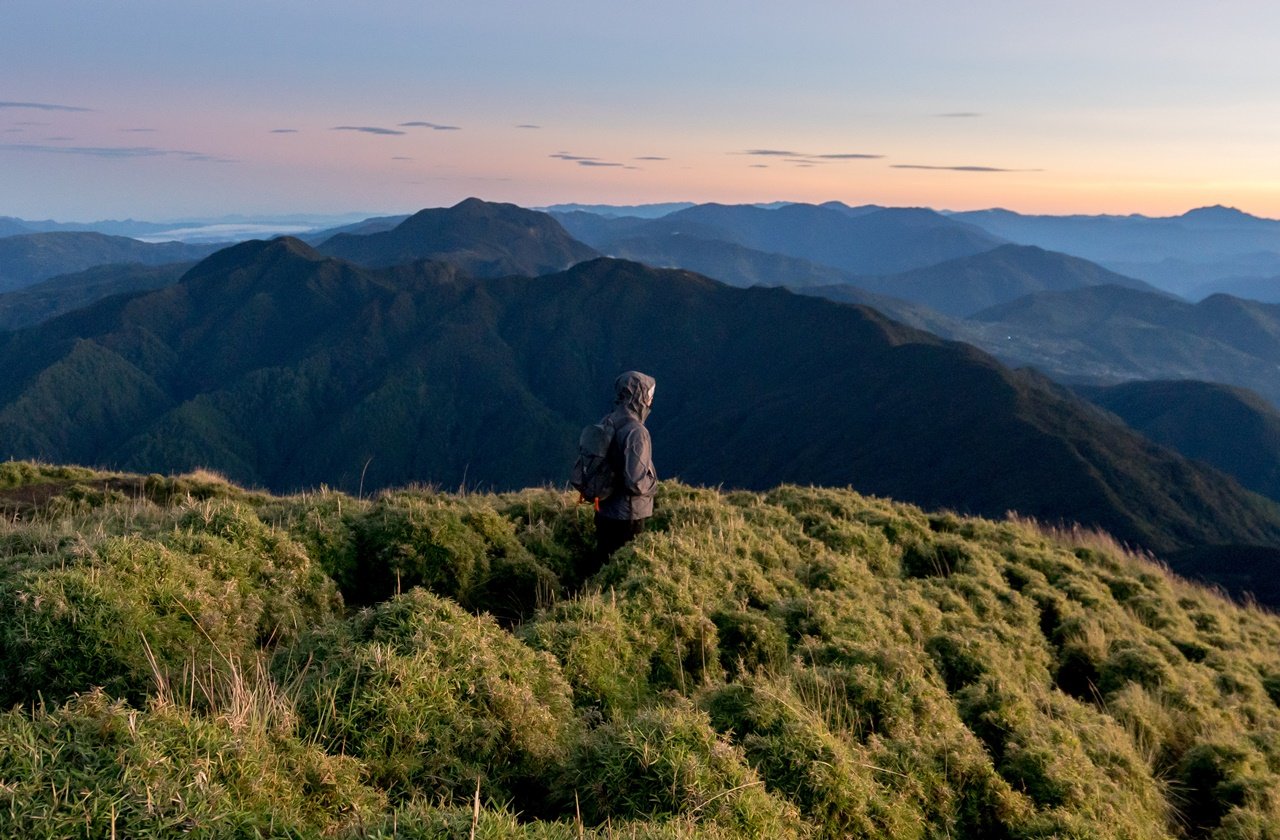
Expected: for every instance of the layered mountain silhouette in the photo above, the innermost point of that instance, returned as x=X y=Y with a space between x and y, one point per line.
x=1233 y=429
x=1177 y=253
x=30 y=258
x=57 y=295
x=965 y=285
x=287 y=369
x=482 y=238
x=1111 y=334
x=878 y=241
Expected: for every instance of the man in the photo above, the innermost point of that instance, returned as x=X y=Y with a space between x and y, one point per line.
x=623 y=514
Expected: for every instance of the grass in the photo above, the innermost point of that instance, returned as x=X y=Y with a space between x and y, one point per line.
x=179 y=655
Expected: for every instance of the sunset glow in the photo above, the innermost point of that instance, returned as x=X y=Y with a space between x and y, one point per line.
x=163 y=110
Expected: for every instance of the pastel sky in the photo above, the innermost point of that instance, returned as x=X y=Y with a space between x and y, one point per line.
x=163 y=109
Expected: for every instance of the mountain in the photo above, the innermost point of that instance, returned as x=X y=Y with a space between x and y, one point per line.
x=645 y=211
x=965 y=285
x=30 y=258
x=285 y=369
x=482 y=238
x=57 y=295
x=375 y=224
x=9 y=226
x=879 y=242
x=725 y=261
x=1233 y=429
x=1141 y=246
x=1112 y=334
x=1262 y=289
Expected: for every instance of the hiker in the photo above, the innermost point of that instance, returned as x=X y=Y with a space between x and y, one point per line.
x=625 y=501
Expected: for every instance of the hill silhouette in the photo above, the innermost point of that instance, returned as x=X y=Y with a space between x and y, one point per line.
x=30 y=258
x=878 y=241
x=287 y=369
x=1233 y=429
x=482 y=238
x=57 y=295
x=963 y=286
x=1110 y=334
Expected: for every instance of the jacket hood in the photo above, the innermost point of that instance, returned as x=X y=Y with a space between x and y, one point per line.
x=634 y=391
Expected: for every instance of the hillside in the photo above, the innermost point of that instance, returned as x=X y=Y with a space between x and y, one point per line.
x=1111 y=334
x=1233 y=429
x=28 y=259
x=724 y=261
x=793 y=663
x=879 y=241
x=285 y=369
x=963 y=286
x=482 y=238
x=58 y=295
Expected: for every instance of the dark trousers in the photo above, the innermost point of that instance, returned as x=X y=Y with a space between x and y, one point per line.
x=613 y=534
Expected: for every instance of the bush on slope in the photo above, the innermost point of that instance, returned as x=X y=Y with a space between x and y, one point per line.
x=801 y=662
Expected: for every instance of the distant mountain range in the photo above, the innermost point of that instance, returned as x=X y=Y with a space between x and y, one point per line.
x=58 y=295
x=479 y=237
x=27 y=259
x=875 y=242
x=1233 y=429
x=1180 y=254
x=284 y=368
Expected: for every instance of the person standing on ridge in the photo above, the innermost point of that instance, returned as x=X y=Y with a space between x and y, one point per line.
x=621 y=514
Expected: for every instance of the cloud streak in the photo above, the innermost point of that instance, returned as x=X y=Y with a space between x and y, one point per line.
x=114 y=152
x=805 y=159
x=651 y=157
x=430 y=125
x=528 y=125
x=959 y=115
x=284 y=131
x=368 y=129
x=43 y=106
x=959 y=168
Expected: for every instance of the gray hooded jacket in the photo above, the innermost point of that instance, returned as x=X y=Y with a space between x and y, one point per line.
x=631 y=450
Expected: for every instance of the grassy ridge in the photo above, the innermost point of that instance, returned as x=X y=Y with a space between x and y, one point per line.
x=182 y=655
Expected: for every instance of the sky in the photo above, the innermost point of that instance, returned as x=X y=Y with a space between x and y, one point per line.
x=171 y=110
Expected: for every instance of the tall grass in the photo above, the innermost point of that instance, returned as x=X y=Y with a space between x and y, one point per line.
x=187 y=657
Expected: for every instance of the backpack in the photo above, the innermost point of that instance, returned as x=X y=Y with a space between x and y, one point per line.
x=593 y=475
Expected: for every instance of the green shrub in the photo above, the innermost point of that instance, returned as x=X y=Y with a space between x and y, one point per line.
x=99 y=768
x=430 y=698
x=666 y=762
x=129 y=610
x=456 y=548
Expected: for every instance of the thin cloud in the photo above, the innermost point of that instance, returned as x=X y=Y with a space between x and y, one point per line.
x=42 y=106
x=57 y=139
x=528 y=125
x=960 y=168
x=401 y=157
x=650 y=157
x=959 y=115
x=139 y=130
x=114 y=152
x=808 y=158
x=567 y=156
x=284 y=131
x=430 y=125
x=367 y=129
x=757 y=166
x=597 y=163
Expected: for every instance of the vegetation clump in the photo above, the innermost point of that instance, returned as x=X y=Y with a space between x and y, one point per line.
x=179 y=655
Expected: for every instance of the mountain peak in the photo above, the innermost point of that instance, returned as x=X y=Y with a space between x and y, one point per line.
x=485 y=239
